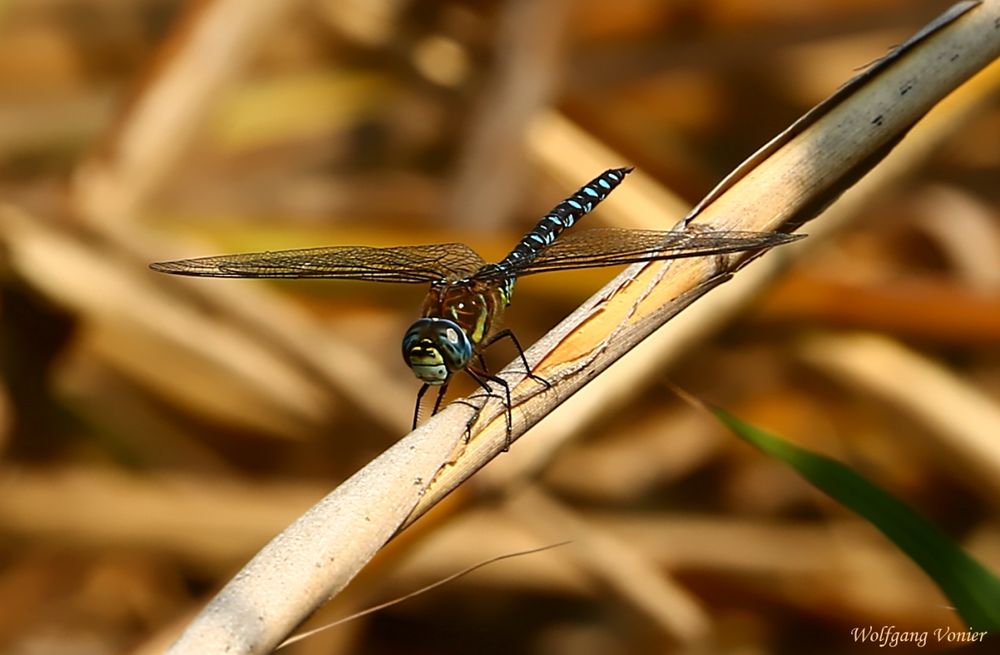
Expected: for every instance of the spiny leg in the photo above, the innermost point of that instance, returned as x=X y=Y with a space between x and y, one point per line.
x=443 y=389
x=476 y=411
x=486 y=393
x=416 y=408
x=520 y=352
x=481 y=377
x=437 y=403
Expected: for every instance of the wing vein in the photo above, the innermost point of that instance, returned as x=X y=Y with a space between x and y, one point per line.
x=406 y=264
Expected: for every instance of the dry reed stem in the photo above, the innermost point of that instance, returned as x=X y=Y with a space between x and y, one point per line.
x=791 y=180
x=819 y=160
x=647 y=361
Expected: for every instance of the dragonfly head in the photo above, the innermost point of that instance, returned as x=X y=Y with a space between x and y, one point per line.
x=434 y=348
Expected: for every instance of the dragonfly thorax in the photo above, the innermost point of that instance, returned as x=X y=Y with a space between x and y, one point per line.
x=434 y=348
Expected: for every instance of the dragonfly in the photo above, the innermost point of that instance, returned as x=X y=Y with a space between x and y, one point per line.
x=461 y=313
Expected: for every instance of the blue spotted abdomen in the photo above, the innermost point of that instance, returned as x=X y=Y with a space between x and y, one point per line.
x=562 y=216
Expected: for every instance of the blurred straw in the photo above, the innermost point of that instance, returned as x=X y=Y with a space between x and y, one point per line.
x=964 y=421
x=207 y=51
x=610 y=559
x=492 y=167
x=221 y=372
x=654 y=450
x=970 y=237
x=930 y=308
x=371 y=22
x=205 y=54
x=843 y=561
x=566 y=152
x=210 y=523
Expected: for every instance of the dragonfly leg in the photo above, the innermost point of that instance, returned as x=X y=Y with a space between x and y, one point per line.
x=437 y=403
x=416 y=408
x=507 y=334
x=481 y=377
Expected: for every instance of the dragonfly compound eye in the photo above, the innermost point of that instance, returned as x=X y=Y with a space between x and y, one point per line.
x=434 y=348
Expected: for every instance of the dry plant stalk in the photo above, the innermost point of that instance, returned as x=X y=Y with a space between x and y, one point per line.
x=789 y=181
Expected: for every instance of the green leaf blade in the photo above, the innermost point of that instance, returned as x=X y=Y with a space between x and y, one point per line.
x=971 y=587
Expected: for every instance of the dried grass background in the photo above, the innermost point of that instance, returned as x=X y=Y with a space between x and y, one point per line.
x=156 y=432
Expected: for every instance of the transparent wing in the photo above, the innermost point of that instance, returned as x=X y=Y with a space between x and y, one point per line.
x=615 y=246
x=408 y=264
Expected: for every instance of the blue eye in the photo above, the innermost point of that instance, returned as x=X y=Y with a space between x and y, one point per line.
x=434 y=348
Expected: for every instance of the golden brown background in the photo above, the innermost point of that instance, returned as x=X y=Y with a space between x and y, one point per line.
x=155 y=432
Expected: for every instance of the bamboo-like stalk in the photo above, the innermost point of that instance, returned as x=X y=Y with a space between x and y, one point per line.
x=788 y=182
